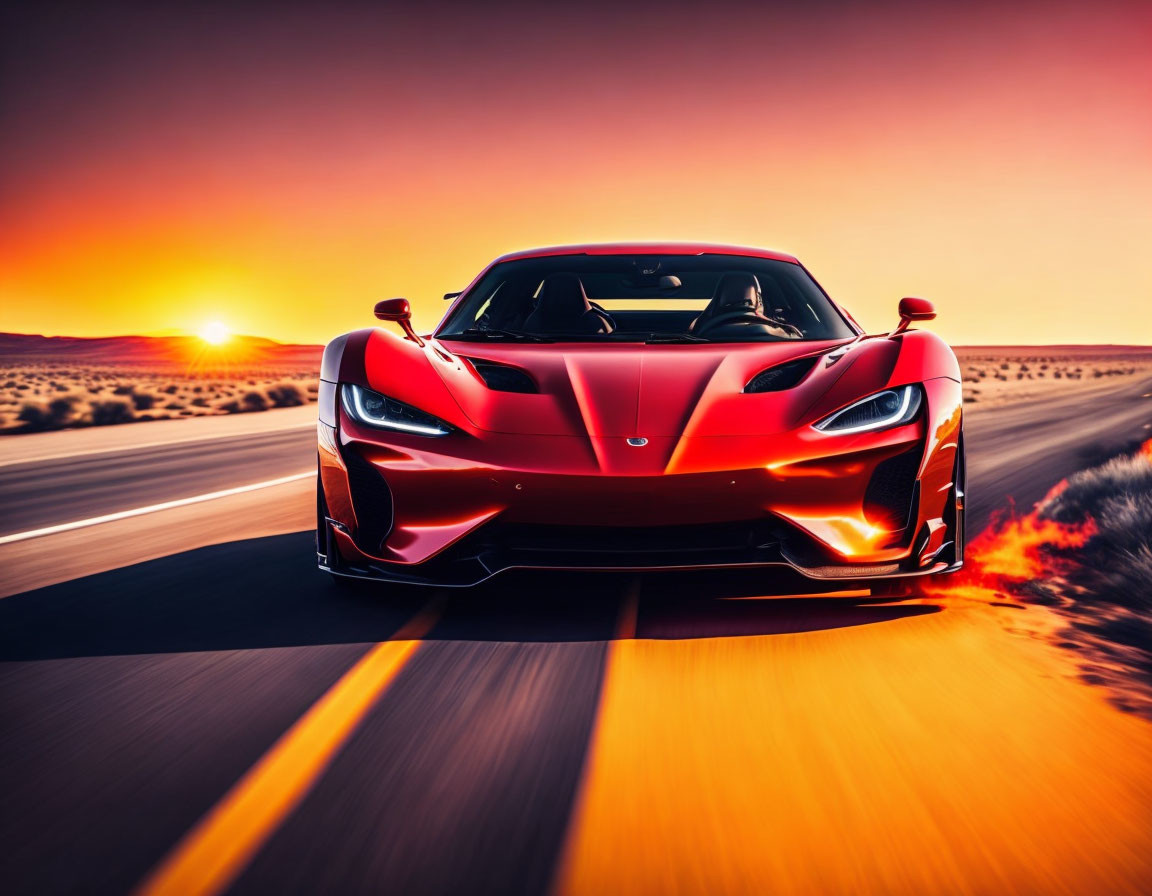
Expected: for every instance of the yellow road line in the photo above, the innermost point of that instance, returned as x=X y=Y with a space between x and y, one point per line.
x=223 y=842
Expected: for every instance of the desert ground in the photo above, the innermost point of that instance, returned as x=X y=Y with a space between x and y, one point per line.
x=39 y=397
x=995 y=375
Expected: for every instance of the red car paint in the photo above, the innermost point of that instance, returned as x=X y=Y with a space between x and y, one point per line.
x=713 y=454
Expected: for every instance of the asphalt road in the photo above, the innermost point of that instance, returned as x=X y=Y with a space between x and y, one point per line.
x=45 y=493
x=223 y=720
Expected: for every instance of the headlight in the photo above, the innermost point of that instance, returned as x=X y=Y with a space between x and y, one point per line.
x=373 y=409
x=892 y=407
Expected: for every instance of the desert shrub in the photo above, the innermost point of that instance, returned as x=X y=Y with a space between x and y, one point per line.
x=143 y=401
x=175 y=405
x=33 y=415
x=171 y=389
x=229 y=407
x=1110 y=598
x=286 y=395
x=56 y=414
x=63 y=410
x=111 y=412
x=123 y=390
x=255 y=401
x=200 y=401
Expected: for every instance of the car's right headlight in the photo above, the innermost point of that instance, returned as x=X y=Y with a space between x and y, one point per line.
x=373 y=409
x=892 y=407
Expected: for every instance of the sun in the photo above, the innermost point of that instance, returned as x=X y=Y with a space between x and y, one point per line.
x=215 y=333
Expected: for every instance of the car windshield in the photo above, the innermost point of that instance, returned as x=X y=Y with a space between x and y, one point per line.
x=650 y=298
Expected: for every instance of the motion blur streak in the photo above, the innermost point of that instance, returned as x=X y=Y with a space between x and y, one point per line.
x=151 y=508
x=221 y=845
x=933 y=754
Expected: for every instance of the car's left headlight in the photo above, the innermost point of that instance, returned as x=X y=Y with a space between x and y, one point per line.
x=373 y=409
x=892 y=407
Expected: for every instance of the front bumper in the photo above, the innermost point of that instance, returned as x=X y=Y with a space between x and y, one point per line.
x=458 y=510
x=489 y=552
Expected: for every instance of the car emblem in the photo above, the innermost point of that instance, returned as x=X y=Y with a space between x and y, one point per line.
x=637 y=443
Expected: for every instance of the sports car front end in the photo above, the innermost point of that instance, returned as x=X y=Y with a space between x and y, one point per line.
x=450 y=459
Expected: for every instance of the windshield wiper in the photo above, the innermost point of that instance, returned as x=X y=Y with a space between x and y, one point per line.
x=670 y=338
x=491 y=332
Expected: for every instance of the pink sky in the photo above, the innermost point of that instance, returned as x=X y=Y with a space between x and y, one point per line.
x=281 y=172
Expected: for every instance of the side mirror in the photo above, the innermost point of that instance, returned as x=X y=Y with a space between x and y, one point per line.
x=449 y=296
x=913 y=309
x=400 y=312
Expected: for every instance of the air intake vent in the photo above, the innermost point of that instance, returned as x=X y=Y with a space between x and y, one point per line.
x=780 y=377
x=501 y=378
x=372 y=501
x=890 y=493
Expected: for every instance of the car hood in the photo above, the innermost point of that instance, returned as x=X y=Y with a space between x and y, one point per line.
x=628 y=390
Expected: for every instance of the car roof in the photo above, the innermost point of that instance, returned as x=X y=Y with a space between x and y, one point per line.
x=649 y=249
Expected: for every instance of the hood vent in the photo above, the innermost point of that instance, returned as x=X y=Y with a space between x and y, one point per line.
x=502 y=378
x=782 y=376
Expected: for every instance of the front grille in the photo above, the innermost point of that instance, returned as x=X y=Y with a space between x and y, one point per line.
x=630 y=540
x=500 y=545
x=372 y=501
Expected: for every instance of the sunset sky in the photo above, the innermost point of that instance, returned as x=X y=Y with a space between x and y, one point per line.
x=280 y=167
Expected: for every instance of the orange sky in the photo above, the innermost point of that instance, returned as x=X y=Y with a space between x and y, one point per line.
x=159 y=169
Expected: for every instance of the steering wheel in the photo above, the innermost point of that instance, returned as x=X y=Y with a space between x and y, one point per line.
x=745 y=316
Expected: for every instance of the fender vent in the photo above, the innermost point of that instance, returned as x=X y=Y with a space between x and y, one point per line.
x=502 y=378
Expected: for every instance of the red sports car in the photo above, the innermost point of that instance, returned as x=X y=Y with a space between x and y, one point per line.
x=641 y=407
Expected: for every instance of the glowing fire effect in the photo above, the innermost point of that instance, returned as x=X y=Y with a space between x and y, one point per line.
x=1019 y=549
